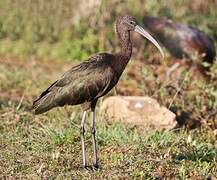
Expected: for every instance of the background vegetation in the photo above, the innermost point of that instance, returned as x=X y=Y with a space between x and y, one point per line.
x=40 y=39
x=60 y=29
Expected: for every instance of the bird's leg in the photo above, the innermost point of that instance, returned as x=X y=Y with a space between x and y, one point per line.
x=93 y=132
x=82 y=131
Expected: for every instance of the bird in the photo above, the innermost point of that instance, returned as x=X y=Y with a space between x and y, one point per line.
x=85 y=83
x=181 y=40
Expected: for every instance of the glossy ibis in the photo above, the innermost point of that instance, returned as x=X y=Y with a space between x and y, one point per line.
x=85 y=83
x=181 y=40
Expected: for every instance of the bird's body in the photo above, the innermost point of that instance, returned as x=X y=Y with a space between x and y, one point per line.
x=181 y=40
x=82 y=84
x=85 y=83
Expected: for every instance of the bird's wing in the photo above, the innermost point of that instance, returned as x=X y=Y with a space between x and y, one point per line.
x=82 y=83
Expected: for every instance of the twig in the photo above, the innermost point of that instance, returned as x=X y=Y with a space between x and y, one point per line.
x=178 y=90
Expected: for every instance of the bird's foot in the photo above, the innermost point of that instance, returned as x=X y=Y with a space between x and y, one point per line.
x=96 y=166
x=86 y=167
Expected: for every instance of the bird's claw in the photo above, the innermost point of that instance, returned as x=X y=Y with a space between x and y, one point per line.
x=86 y=167
x=96 y=166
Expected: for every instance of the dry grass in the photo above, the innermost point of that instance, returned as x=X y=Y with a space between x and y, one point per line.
x=41 y=39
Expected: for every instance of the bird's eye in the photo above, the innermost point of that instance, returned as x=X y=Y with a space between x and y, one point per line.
x=131 y=22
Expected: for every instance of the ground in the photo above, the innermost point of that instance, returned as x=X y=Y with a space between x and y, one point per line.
x=48 y=145
x=39 y=40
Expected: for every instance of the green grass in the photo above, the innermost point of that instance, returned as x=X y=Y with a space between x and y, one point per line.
x=61 y=29
x=48 y=145
x=51 y=150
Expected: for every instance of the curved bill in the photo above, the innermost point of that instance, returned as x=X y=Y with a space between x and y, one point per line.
x=141 y=31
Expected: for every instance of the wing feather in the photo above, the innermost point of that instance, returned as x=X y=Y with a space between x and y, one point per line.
x=82 y=83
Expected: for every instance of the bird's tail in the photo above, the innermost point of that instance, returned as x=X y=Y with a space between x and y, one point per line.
x=43 y=104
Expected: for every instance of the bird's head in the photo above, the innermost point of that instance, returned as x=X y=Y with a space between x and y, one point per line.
x=128 y=23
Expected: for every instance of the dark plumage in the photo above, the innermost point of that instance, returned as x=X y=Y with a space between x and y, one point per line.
x=85 y=83
x=181 y=40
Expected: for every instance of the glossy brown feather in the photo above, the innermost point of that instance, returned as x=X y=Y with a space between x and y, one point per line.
x=83 y=83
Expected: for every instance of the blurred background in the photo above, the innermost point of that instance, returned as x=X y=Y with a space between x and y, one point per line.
x=39 y=40
x=60 y=29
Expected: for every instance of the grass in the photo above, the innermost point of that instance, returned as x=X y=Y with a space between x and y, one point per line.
x=48 y=146
x=59 y=29
x=33 y=150
x=39 y=41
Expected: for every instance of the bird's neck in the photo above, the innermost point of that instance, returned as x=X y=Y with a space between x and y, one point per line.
x=126 y=46
x=126 y=50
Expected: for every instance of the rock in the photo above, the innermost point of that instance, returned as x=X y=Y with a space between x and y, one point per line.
x=138 y=110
